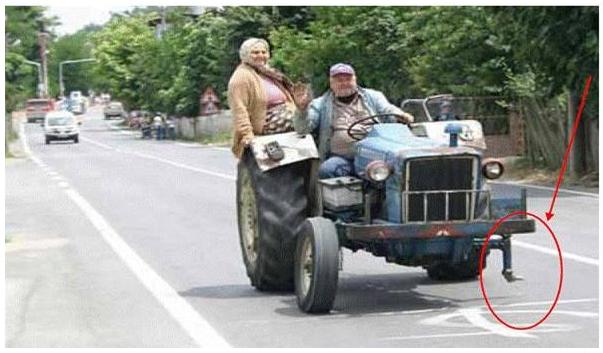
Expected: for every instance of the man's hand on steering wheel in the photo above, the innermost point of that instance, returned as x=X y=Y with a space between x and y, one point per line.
x=405 y=118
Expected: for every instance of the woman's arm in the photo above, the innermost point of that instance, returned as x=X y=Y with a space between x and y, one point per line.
x=239 y=97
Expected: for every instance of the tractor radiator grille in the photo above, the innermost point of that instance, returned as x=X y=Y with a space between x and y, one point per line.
x=435 y=189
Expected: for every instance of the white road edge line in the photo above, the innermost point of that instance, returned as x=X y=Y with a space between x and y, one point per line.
x=188 y=318
x=566 y=255
x=582 y=193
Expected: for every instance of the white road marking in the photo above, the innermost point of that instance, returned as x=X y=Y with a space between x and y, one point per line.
x=475 y=318
x=566 y=255
x=41 y=244
x=584 y=314
x=184 y=166
x=403 y=312
x=187 y=144
x=167 y=161
x=198 y=145
x=569 y=301
x=188 y=318
x=99 y=144
x=582 y=193
x=450 y=335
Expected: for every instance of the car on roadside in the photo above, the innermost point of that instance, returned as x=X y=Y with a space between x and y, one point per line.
x=60 y=125
x=114 y=109
x=36 y=108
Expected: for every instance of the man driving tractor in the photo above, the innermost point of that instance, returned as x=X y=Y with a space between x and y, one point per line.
x=330 y=117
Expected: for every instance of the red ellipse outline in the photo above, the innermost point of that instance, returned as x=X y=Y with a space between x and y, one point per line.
x=481 y=277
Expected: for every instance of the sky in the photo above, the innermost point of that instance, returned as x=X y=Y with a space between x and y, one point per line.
x=75 y=18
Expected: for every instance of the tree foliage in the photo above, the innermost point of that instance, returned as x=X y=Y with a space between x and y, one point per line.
x=21 y=43
x=533 y=56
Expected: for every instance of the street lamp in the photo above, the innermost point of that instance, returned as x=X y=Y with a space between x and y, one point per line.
x=40 y=88
x=61 y=85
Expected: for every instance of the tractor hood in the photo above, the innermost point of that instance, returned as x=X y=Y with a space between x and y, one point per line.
x=471 y=133
x=395 y=143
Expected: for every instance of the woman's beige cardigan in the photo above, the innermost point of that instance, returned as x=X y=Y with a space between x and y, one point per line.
x=247 y=100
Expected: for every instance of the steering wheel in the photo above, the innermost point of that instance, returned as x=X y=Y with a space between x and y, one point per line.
x=358 y=133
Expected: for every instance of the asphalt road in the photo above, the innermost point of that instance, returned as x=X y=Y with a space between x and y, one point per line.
x=120 y=242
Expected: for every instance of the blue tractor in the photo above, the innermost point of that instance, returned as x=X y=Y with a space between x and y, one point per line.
x=420 y=198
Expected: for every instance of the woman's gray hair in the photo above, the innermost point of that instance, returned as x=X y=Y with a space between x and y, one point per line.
x=245 y=49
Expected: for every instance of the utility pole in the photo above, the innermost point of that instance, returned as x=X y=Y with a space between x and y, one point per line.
x=42 y=40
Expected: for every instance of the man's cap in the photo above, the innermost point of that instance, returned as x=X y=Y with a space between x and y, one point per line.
x=341 y=68
x=445 y=104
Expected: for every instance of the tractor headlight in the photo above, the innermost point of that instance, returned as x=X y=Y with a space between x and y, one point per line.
x=378 y=171
x=493 y=169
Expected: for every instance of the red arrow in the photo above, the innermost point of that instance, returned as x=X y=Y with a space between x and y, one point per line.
x=550 y=213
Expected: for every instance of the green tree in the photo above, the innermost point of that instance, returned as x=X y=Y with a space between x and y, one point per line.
x=123 y=49
x=553 y=49
x=76 y=77
x=21 y=43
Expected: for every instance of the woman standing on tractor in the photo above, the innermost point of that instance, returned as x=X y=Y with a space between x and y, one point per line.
x=262 y=99
x=271 y=205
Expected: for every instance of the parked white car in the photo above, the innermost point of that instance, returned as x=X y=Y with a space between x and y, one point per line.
x=61 y=125
x=114 y=109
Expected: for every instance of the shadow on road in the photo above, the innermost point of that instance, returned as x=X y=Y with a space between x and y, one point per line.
x=229 y=291
x=358 y=295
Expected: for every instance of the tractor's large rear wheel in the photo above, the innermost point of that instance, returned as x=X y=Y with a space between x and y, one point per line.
x=271 y=207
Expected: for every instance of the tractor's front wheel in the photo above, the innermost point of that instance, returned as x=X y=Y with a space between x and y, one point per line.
x=317 y=266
